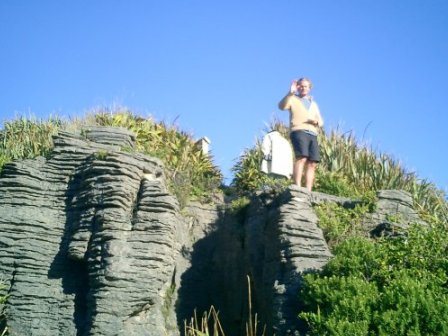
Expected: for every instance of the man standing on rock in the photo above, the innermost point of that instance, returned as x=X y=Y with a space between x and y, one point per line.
x=305 y=121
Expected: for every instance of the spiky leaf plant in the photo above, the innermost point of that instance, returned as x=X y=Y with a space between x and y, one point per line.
x=365 y=170
x=27 y=138
x=248 y=176
x=348 y=169
x=190 y=172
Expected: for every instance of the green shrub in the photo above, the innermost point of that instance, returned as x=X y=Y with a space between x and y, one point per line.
x=333 y=183
x=411 y=306
x=386 y=287
x=355 y=298
x=338 y=223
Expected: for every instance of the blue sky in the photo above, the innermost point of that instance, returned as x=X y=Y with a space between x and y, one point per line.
x=218 y=69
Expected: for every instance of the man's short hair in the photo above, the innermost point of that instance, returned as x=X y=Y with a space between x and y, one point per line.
x=304 y=79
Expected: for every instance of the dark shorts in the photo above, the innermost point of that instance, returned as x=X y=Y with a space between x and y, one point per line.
x=305 y=145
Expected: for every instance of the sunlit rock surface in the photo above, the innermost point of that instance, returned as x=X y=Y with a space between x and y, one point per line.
x=93 y=243
x=88 y=240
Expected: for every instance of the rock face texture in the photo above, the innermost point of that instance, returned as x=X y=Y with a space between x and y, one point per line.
x=88 y=240
x=393 y=215
x=92 y=243
x=282 y=243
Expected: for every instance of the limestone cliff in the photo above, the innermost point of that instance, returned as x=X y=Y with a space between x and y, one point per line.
x=92 y=243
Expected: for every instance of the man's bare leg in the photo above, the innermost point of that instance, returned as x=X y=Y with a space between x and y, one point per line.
x=299 y=164
x=310 y=173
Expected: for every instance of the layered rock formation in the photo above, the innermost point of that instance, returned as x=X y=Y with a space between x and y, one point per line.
x=88 y=240
x=282 y=243
x=92 y=243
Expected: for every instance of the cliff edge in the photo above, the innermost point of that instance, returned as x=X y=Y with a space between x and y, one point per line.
x=93 y=243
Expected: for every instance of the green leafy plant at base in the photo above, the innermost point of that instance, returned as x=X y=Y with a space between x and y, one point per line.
x=386 y=287
x=209 y=324
x=3 y=298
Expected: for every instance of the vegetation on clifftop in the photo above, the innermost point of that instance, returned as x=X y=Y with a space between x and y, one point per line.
x=347 y=169
x=386 y=286
x=371 y=287
x=189 y=172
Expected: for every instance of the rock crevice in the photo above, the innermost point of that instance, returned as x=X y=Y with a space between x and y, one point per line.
x=93 y=243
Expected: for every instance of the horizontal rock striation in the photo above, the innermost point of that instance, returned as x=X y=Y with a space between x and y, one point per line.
x=92 y=243
x=393 y=214
x=88 y=240
x=282 y=242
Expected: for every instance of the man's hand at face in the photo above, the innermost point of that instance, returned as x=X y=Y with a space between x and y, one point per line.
x=294 y=86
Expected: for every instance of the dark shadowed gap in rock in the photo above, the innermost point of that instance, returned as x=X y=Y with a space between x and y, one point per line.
x=73 y=273
x=262 y=250
x=195 y=288
x=241 y=244
x=207 y=281
x=277 y=230
x=79 y=284
x=137 y=202
x=74 y=281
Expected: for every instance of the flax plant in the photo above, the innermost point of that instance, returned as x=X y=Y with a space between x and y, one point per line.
x=367 y=170
x=348 y=168
x=247 y=174
x=208 y=325
x=190 y=173
x=25 y=138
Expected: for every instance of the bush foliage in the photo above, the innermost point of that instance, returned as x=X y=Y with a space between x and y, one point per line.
x=386 y=287
x=347 y=169
x=190 y=173
x=339 y=224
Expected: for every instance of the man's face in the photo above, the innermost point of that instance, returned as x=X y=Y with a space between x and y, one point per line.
x=304 y=88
